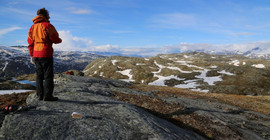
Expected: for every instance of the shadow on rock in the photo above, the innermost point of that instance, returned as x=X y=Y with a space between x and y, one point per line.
x=191 y=110
x=87 y=102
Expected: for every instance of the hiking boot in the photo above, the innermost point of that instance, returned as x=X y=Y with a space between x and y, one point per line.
x=51 y=99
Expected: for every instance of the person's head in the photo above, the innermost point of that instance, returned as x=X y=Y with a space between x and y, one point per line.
x=43 y=12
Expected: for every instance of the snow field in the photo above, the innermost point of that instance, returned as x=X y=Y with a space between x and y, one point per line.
x=188 y=84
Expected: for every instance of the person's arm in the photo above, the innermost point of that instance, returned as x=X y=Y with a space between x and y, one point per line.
x=30 y=42
x=53 y=35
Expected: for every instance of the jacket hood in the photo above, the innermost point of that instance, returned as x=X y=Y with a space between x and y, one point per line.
x=39 y=18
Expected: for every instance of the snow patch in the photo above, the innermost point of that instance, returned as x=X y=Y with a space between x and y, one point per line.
x=186 y=56
x=209 y=80
x=161 y=80
x=101 y=74
x=234 y=62
x=224 y=72
x=213 y=67
x=176 y=68
x=182 y=62
x=89 y=69
x=13 y=91
x=200 y=90
x=127 y=73
x=114 y=62
x=188 y=65
x=146 y=59
x=259 y=66
x=138 y=64
x=6 y=63
x=189 y=84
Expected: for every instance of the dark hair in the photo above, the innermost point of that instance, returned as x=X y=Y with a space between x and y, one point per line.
x=44 y=12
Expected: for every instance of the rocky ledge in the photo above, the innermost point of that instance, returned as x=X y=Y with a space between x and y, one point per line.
x=108 y=113
x=103 y=116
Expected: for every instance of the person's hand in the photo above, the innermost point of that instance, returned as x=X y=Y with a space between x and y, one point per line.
x=32 y=60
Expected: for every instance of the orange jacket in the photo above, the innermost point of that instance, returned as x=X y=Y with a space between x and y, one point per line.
x=41 y=36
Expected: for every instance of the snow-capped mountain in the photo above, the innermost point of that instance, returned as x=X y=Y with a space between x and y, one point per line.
x=15 y=61
x=251 y=50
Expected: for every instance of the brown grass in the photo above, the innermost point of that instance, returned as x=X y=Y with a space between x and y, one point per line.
x=149 y=103
x=255 y=103
x=18 y=99
x=182 y=117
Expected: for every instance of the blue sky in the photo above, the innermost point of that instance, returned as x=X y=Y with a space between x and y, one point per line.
x=140 y=25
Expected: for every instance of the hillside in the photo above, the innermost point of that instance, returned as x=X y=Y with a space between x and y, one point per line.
x=157 y=112
x=232 y=74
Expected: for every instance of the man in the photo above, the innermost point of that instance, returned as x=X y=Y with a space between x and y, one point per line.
x=41 y=36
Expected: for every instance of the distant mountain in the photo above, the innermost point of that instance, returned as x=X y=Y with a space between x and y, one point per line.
x=257 y=52
x=232 y=74
x=15 y=61
x=251 y=50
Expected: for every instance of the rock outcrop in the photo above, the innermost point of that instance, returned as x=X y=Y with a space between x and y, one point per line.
x=103 y=116
x=114 y=109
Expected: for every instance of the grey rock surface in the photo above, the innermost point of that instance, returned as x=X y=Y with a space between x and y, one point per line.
x=227 y=119
x=103 y=116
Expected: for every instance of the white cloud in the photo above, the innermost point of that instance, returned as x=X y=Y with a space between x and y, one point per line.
x=7 y=30
x=244 y=34
x=80 y=11
x=19 y=11
x=106 y=48
x=142 y=51
x=13 y=3
x=72 y=43
x=20 y=41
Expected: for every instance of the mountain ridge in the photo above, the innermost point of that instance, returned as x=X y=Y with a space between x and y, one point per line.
x=15 y=61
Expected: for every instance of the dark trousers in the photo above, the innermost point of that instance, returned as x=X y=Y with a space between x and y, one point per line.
x=44 y=71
